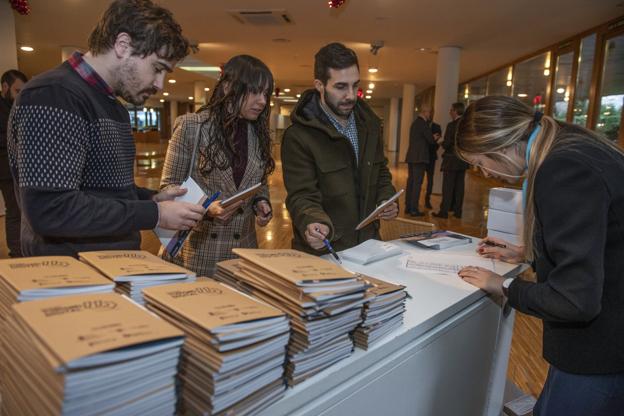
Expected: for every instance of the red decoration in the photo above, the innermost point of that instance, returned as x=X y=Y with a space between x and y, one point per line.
x=537 y=100
x=334 y=4
x=360 y=93
x=20 y=6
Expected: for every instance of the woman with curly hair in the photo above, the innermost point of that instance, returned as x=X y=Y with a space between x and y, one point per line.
x=225 y=147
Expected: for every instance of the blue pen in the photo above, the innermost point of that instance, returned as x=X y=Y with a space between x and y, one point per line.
x=331 y=250
x=181 y=235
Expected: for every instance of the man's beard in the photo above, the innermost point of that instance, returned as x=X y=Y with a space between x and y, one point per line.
x=335 y=107
x=129 y=83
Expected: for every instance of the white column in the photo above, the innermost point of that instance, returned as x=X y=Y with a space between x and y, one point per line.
x=8 y=43
x=393 y=125
x=67 y=51
x=173 y=113
x=199 y=94
x=447 y=80
x=407 y=116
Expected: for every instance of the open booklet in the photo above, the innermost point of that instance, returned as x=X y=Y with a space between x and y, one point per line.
x=437 y=240
x=373 y=215
x=173 y=240
x=244 y=194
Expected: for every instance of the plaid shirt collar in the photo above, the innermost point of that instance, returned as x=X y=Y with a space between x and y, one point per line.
x=87 y=73
x=350 y=127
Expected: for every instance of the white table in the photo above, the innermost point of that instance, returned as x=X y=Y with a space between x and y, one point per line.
x=449 y=358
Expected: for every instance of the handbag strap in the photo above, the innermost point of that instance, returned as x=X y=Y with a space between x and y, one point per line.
x=195 y=147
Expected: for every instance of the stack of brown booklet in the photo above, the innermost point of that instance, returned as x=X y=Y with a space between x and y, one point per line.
x=30 y=278
x=134 y=270
x=88 y=355
x=234 y=354
x=383 y=311
x=323 y=300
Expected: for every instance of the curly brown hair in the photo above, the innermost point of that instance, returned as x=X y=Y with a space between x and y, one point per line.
x=242 y=75
x=152 y=29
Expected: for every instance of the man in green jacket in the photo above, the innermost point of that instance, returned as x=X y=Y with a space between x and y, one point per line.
x=334 y=167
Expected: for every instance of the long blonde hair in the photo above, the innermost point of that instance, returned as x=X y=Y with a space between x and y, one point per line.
x=495 y=123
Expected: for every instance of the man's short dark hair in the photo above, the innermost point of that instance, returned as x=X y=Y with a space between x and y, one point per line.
x=11 y=75
x=459 y=108
x=151 y=28
x=334 y=56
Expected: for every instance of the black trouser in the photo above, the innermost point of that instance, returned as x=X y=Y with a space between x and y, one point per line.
x=430 y=172
x=452 y=191
x=12 y=219
x=415 y=176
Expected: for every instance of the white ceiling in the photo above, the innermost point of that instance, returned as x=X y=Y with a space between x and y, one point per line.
x=490 y=33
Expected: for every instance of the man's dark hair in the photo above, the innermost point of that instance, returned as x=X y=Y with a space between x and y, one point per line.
x=334 y=56
x=459 y=108
x=11 y=75
x=151 y=28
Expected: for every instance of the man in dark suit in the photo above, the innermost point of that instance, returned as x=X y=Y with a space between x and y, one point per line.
x=11 y=84
x=436 y=130
x=417 y=159
x=453 y=169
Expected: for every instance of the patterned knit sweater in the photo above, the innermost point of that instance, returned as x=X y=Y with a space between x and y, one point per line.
x=72 y=153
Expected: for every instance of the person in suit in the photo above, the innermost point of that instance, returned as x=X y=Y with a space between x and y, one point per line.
x=233 y=153
x=436 y=131
x=574 y=237
x=453 y=169
x=11 y=82
x=417 y=158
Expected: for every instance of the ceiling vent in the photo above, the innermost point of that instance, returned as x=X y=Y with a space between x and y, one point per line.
x=269 y=17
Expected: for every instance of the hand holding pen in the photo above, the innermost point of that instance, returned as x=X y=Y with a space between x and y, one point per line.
x=496 y=248
x=316 y=236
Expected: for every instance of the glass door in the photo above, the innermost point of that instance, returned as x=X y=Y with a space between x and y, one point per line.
x=611 y=96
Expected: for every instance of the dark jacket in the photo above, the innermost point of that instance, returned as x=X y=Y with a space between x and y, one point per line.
x=323 y=181
x=450 y=160
x=579 y=242
x=420 y=139
x=433 y=148
x=5 y=109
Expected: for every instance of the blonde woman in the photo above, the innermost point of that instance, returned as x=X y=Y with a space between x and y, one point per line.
x=574 y=232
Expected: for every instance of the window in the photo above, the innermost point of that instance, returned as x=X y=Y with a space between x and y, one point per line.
x=612 y=89
x=530 y=80
x=583 y=80
x=499 y=83
x=562 y=88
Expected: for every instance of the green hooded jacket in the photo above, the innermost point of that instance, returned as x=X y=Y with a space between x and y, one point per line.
x=323 y=181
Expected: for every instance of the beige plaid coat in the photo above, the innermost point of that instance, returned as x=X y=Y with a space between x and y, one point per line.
x=212 y=241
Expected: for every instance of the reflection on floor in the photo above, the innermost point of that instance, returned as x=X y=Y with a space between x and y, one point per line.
x=526 y=367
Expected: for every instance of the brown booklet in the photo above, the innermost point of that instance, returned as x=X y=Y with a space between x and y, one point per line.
x=295 y=266
x=135 y=270
x=235 y=348
x=133 y=265
x=75 y=354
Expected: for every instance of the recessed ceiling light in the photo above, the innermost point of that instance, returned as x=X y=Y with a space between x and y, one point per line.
x=371 y=86
x=280 y=40
x=201 y=68
x=298 y=95
x=172 y=81
x=368 y=97
x=560 y=90
x=369 y=91
x=206 y=89
x=523 y=95
x=27 y=48
x=190 y=98
x=286 y=89
x=165 y=93
x=373 y=70
x=272 y=104
x=162 y=101
x=424 y=49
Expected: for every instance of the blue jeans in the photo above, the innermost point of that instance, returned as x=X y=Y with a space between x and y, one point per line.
x=567 y=394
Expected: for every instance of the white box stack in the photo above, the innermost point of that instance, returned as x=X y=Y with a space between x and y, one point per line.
x=505 y=217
